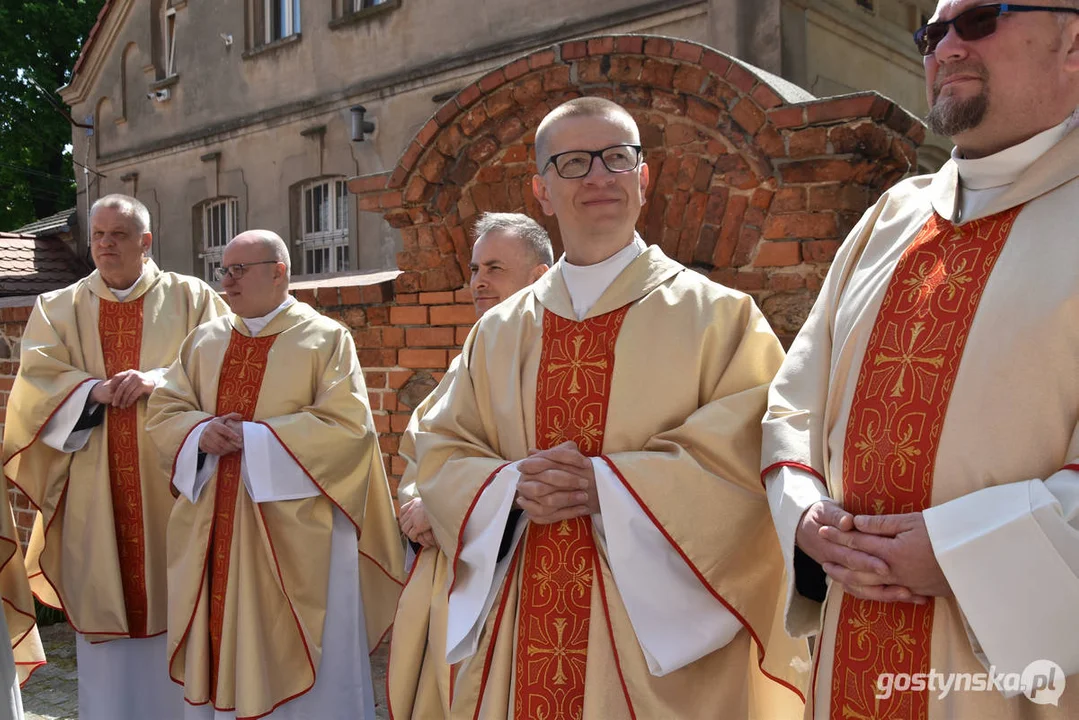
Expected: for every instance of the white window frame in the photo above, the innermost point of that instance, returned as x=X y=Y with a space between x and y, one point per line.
x=358 y=5
x=331 y=236
x=213 y=242
x=290 y=21
x=170 y=42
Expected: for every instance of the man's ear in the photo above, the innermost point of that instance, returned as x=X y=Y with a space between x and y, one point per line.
x=537 y=272
x=644 y=180
x=539 y=189
x=146 y=242
x=1071 y=43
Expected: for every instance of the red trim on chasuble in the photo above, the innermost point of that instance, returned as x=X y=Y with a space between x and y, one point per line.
x=572 y=391
x=892 y=437
x=119 y=327
x=239 y=384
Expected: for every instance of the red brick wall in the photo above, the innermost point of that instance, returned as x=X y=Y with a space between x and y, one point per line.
x=753 y=191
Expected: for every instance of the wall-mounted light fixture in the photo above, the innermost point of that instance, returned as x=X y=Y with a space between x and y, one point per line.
x=360 y=126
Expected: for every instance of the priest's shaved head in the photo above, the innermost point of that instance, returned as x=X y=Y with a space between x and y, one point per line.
x=581 y=107
x=255 y=272
x=591 y=176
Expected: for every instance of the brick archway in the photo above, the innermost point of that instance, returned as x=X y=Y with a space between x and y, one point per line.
x=754 y=182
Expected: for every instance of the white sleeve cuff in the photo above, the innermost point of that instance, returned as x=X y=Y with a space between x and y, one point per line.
x=479 y=574
x=269 y=471
x=187 y=476
x=59 y=432
x=792 y=491
x=676 y=619
x=157 y=376
x=1011 y=560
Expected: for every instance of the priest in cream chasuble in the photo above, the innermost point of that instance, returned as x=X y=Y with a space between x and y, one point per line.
x=510 y=253
x=285 y=564
x=75 y=443
x=617 y=404
x=922 y=438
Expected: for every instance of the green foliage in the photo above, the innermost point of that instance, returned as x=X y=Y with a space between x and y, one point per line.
x=39 y=40
x=47 y=615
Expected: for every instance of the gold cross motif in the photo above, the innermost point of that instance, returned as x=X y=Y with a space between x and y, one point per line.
x=908 y=359
x=577 y=364
x=246 y=363
x=558 y=652
x=121 y=334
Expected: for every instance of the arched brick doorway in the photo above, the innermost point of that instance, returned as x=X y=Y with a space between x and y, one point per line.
x=754 y=182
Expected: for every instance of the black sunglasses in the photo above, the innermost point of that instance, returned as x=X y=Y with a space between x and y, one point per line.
x=974 y=24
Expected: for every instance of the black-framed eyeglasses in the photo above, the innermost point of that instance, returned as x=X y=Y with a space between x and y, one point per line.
x=974 y=24
x=574 y=164
x=237 y=271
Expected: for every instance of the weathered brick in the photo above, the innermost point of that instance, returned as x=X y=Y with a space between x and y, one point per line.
x=800 y=225
x=748 y=116
x=429 y=337
x=415 y=358
x=778 y=254
x=453 y=315
x=820 y=250
x=408 y=315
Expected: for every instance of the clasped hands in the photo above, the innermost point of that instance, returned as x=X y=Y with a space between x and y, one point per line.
x=223 y=435
x=557 y=484
x=123 y=389
x=875 y=557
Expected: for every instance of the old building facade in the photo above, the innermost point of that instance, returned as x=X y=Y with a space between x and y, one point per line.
x=236 y=114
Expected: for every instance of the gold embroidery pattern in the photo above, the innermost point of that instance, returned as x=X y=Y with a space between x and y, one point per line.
x=892 y=437
x=572 y=392
x=120 y=332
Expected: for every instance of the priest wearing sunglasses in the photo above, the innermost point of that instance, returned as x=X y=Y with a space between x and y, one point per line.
x=921 y=446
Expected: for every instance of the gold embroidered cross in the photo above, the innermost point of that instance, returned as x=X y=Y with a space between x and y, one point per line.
x=577 y=364
x=558 y=653
x=908 y=359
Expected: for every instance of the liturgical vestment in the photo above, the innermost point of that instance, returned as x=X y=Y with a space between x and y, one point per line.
x=666 y=603
x=418 y=676
x=98 y=545
x=939 y=372
x=272 y=607
x=25 y=653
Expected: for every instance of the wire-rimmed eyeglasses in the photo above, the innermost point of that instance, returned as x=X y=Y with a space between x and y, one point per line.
x=237 y=271
x=574 y=164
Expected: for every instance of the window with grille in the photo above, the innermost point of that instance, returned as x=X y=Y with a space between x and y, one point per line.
x=281 y=18
x=220 y=223
x=324 y=208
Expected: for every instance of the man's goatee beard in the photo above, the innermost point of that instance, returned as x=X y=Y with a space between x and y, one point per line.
x=951 y=117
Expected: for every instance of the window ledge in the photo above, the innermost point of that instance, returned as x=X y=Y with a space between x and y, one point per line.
x=358 y=16
x=271 y=47
x=165 y=82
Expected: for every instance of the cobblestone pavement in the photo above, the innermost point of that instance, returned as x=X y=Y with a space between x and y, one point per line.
x=52 y=693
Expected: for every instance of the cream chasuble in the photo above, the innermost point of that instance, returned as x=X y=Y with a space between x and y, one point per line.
x=662 y=383
x=98 y=545
x=939 y=371
x=417 y=674
x=263 y=617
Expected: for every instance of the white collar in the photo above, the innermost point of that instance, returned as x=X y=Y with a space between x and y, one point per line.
x=256 y=325
x=586 y=283
x=121 y=295
x=1004 y=167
